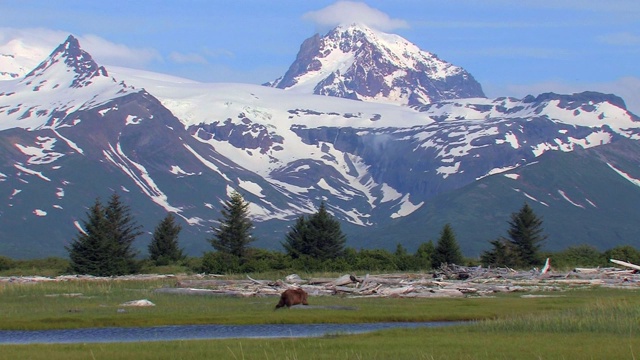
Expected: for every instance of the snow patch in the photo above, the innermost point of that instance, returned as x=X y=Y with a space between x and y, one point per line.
x=132 y=120
x=564 y=195
x=509 y=138
x=140 y=177
x=530 y=197
x=251 y=187
x=38 y=212
x=448 y=170
x=206 y=162
x=76 y=223
x=389 y=193
x=513 y=176
x=41 y=154
x=70 y=143
x=31 y=172
x=628 y=177
x=406 y=207
x=498 y=171
x=176 y=170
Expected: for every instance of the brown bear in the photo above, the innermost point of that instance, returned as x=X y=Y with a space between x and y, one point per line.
x=292 y=297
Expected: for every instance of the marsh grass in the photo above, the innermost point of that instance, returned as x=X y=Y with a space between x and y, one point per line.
x=75 y=304
x=435 y=344
x=581 y=324
x=610 y=316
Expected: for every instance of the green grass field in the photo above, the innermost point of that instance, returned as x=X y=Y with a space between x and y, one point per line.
x=579 y=324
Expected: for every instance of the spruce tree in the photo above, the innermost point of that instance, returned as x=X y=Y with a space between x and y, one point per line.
x=105 y=245
x=501 y=254
x=90 y=251
x=295 y=242
x=319 y=237
x=123 y=232
x=233 y=235
x=164 y=248
x=521 y=247
x=525 y=236
x=447 y=250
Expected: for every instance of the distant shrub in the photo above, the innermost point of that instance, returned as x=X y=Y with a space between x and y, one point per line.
x=625 y=253
x=6 y=263
x=578 y=256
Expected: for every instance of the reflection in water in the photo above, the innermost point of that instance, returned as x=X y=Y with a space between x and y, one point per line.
x=194 y=332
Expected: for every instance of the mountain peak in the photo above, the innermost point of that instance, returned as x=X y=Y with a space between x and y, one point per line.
x=357 y=62
x=70 y=64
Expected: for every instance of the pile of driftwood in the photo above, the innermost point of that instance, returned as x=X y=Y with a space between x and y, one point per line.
x=448 y=281
x=64 y=278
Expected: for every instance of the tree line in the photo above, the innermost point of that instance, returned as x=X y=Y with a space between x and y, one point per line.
x=315 y=242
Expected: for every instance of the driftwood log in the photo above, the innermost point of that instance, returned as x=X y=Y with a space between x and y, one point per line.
x=447 y=281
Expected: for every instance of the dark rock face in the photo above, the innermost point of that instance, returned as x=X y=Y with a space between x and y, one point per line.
x=372 y=69
x=247 y=135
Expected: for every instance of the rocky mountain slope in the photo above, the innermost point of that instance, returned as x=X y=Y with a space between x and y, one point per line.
x=357 y=62
x=72 y=130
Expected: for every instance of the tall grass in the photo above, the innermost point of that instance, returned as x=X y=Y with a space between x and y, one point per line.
x=584 y=324
x=610 y=316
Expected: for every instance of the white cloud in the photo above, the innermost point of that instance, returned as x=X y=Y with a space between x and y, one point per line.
x=190 y=58
x=41 y=42
x=348 y=12
x=628 y=88
x=109 y=53
x=35 y=37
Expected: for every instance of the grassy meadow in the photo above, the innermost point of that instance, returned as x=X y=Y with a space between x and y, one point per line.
x=591 y=323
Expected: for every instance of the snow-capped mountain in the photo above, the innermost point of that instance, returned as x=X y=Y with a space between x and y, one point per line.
x=357 y=62
x=18 y=58
x=72 y=130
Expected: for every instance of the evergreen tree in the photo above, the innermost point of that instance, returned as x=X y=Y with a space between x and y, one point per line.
x=90 y=252
x=164 y=249
x=521 y=247
x=525 y=236
x=295 y=242
x=500 y=255
x=123 y=231
x=105 y=246
x=233 y=235
x=319 y=237
x=447 y=250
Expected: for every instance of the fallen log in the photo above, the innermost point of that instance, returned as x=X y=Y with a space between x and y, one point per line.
x=343 y=280
x=624 y=263
x=210 y=283
x=397 y=291
x=587 y=270
x=294 y=279
x=319 y=281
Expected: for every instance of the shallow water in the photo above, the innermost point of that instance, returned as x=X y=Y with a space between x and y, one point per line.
x=195 y=332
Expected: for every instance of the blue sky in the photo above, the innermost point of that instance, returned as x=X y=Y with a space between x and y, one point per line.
x=513 y=48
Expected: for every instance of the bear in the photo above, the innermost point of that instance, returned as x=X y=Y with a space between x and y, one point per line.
x=292 y=297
